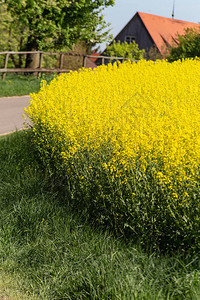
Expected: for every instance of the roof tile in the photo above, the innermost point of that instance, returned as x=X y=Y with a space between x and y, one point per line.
x=164 y=30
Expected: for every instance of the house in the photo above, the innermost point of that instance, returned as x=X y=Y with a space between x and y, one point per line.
x=150 y=31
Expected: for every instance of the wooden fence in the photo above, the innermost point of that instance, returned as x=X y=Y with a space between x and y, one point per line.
x=60 y=69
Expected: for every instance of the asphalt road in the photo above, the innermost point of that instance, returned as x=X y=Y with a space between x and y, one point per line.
x=11 y=111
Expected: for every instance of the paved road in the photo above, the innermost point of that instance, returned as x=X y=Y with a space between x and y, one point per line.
x=11 y=111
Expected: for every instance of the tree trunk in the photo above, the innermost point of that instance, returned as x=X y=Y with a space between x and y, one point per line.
x=32 y=59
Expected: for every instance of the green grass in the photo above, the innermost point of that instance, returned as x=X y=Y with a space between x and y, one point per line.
x=18 y=85
x=47 y=251
x=9 y=289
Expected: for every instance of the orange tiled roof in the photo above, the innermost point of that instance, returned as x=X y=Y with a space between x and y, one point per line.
x=94 y=54
x=164 y=30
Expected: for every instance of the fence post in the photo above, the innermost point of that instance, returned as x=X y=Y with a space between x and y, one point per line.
x=84 y=61
x=5 y=66
x=103 y=61
x=61 y=61
x=40 y=63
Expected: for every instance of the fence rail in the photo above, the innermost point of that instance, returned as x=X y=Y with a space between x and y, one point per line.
x=60 y=69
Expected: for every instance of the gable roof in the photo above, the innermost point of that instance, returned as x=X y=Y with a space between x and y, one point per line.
x=163 y=30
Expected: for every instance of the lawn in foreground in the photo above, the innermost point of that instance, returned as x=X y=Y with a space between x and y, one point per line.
x=53 y=253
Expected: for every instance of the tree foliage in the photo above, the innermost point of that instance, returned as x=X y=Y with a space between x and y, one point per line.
x=131 y=51
x=54 y=24
x=186 y=46
x=12 y=37
x=50 y=23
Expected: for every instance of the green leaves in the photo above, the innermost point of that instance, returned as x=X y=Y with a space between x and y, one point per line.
x=131 y=51
x=63 y=23
x=187 y=46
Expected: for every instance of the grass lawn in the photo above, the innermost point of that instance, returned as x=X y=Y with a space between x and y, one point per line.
x=18 y=85
x=48 y=251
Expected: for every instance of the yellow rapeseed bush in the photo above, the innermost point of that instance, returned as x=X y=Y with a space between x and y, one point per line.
x=145 y=110
x=124 y=143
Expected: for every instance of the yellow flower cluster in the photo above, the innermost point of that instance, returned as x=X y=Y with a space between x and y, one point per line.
x=147 y=110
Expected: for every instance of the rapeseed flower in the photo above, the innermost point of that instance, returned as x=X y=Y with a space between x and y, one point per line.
x=147 y=113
